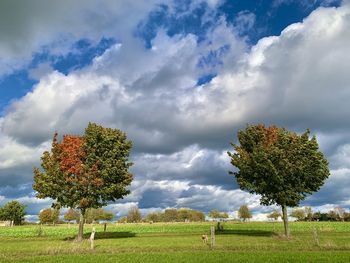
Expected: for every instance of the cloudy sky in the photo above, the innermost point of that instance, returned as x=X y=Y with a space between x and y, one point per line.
x=181 y=78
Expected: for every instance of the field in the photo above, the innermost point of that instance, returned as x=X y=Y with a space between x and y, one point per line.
x=178 y=242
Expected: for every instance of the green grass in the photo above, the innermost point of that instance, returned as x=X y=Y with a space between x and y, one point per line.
x=179 y=242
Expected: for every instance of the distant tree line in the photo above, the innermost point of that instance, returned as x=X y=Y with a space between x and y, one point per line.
x=92 y=215
x=306 y=214
x=169 y=215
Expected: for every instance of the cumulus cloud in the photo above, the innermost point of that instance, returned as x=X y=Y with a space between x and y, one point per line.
x=56 y=25
x=181 y=130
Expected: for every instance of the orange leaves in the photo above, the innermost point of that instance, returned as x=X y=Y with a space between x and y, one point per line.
x=72 y=156
x=270 y=134
x=76 y=172
x=85 y=171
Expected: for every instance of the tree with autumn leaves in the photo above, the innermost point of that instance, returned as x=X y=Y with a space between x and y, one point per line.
x=279 y=165
x=82 y=172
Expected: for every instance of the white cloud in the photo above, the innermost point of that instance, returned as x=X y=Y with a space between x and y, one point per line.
x=56 y=25
x=298 y=79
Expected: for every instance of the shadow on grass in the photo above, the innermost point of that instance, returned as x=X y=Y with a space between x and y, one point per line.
x=258 y=233
x=106 y=235
x=111 y=235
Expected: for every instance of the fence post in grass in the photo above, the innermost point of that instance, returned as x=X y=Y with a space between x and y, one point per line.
x=212 y=236
x=316 y=237
x=92 y=237
x=104 y=227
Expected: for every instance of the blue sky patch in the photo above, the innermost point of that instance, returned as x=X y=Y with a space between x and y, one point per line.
x=19 y=83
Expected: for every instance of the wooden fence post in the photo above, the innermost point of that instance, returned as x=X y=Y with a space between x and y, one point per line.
x=92 y=237
x=212 y=236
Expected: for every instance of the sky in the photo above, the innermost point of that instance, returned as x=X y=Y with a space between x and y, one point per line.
x=180 y=78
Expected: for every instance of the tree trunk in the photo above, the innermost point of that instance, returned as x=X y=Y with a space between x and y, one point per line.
x=285 y=220
x=81 y=226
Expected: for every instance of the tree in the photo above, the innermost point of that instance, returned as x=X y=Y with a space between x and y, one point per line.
x=13 y=211
x=340 y=212
x=154 y=217
x=279 y=165
x=244 y=213
x=71 y=215
x=217 y=214
x=134 y=215
x=214 y=213
x=186 y=214
x=2 y=217
x=298 y=213
x=171 y=215
x=93 y=215
x=323 y=217
x=346 y=216
x=107 y=216
x=49 y=215
x=83 y=172
x=274 y=215
x=197 y=216
x=332 y=215
x=316 y=216
x=308 y=213
x=123 y=219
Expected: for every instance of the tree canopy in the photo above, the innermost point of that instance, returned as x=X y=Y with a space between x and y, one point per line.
x=13 y=211
x=298 y=213
x=49 y=215
x=71 y=215
x=94 y=215
x=274 y=215
x=134 y=215
x=244 y=213
x=85 y=171
x=217 y=214
x=279 y=165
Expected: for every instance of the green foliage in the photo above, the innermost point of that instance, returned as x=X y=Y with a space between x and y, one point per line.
x=346 y=216
x=134 y=215
x=171 y=215
x=71 y=215
x=308 y=213
x=107 y=216
x=274 y=215
x=109 y=149
x=279 y=165
x=332 y=215
x=176 y=215
x=298 y=213
x=49 y=215
x=105 y=150
x=244 y=213
x=123 y=220
x=217 y=214
x=94 y=215
x=13 y=211
x=154 y=217
x=85 y=171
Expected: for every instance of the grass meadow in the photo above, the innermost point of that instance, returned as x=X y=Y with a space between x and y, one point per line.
x=178 y=242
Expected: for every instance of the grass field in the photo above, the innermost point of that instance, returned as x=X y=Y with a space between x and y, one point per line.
x=179 y=242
